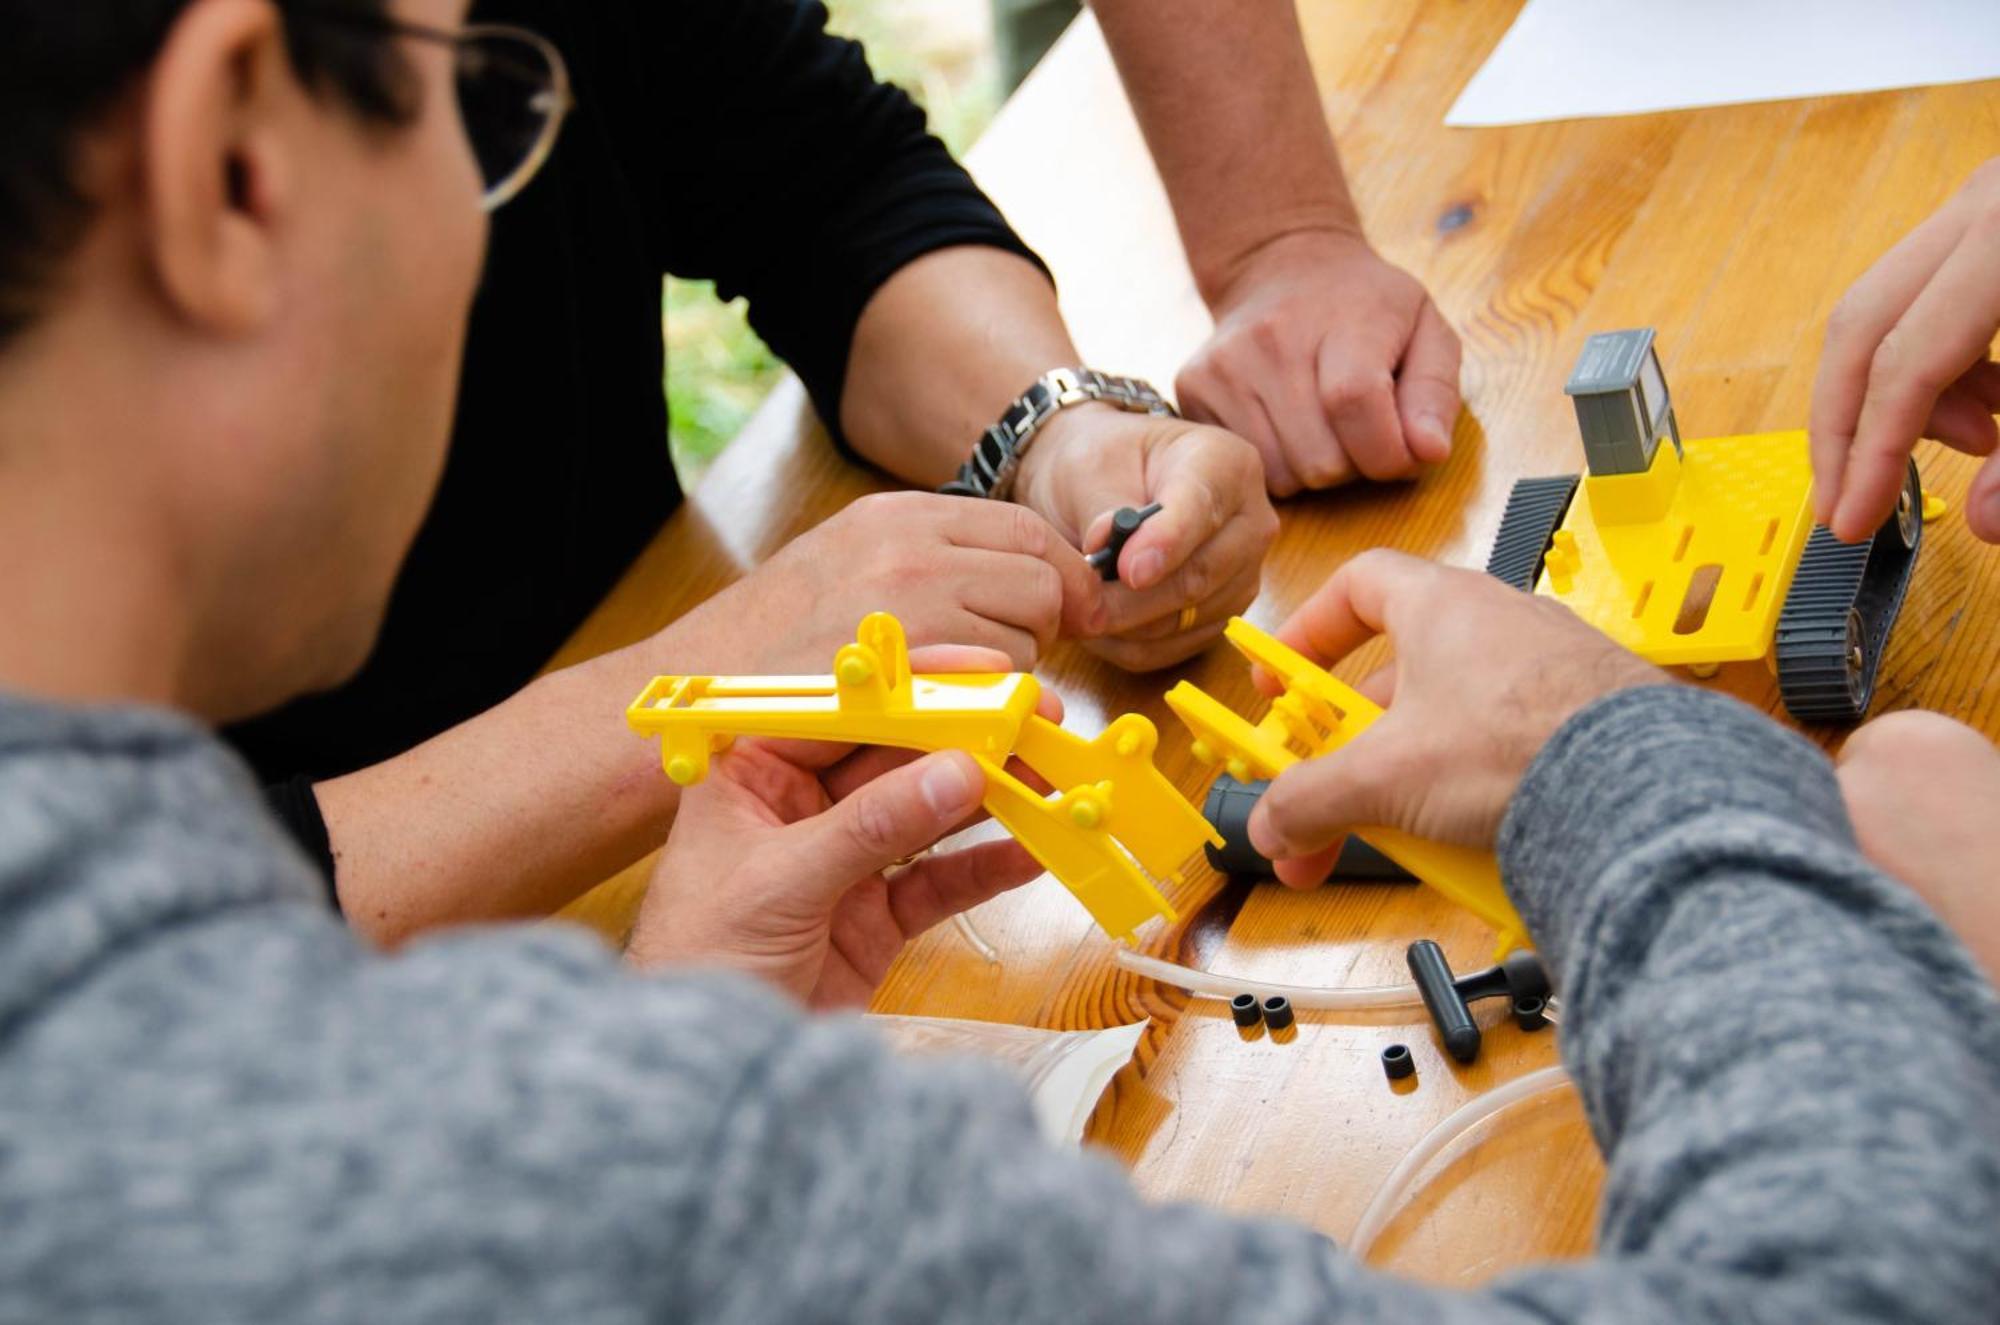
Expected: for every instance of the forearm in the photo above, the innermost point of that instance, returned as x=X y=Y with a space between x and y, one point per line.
x=941 y=349
x=1770 y=1158
x=1226 y=99
x=1787 y=1059
x=515 y=812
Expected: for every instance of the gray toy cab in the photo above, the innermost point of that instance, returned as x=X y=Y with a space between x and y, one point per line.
x=1622 y=406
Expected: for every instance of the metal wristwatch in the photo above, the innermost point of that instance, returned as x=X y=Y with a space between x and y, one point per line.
x=997 y=458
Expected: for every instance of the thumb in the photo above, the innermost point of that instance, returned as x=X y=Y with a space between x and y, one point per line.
x=898 y=814
x=1982 y=501
x=1311 y=805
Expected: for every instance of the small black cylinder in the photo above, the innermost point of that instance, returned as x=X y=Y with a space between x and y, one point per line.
x=1397 y=1063
x=1531 y=1014
x=1277 y=1012
x=1228 y=808
x=1245 y=1010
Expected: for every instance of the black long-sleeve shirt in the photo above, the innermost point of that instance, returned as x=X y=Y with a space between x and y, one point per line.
x=726 y=139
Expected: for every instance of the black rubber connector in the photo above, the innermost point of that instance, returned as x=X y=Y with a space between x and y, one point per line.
x=1124 y=524
x=1228 y=808
x=1531 y=1014
x=1397 y=1063
x=1277 y=1012
x=1244 y=1008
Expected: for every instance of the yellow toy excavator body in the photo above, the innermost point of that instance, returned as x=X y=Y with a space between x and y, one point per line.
x=1316 y=715
x=1703 y=552
x=1113 y=825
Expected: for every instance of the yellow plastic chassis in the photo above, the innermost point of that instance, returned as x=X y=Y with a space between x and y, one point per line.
x=1316 y=715
x=1109 y=798
x=1733 y=513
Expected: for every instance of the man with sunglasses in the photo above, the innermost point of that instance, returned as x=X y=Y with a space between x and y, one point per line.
x=738 y=140
x=236 y=257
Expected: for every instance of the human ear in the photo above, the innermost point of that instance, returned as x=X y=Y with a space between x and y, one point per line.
x=217 y=150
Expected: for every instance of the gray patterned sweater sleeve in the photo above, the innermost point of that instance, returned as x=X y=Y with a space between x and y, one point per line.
x=215 y=1106
x=1787 y=1061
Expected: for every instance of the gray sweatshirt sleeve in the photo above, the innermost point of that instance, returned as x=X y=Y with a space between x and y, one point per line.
x=222 y=1108
x=1787 y=1061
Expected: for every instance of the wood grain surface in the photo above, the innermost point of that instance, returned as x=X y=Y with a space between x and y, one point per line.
x=1731 y=230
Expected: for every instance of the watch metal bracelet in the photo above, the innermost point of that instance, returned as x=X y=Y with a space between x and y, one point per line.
x=997 y=457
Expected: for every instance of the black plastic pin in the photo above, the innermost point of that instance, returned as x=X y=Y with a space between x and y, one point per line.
x=1124 y=524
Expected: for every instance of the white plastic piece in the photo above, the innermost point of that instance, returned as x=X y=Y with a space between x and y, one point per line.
x=1207 y=984
x=962 y=922
x=1389 y=1196
x=1065 y=1072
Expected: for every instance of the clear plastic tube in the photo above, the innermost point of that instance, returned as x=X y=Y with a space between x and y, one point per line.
x=1207 y=984
x=1389 y=1196
x=962 y=922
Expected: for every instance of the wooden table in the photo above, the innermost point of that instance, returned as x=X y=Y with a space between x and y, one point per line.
x=1731 y=230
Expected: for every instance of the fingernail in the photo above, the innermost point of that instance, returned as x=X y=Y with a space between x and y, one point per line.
x=1146 y=568
x=1991 y=509
x=948 y=785
x=1436 y=432
x=1100 y=617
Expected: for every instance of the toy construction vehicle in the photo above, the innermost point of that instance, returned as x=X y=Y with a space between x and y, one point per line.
x=1703 y=552
x=1113 y=825
x=1315 y=715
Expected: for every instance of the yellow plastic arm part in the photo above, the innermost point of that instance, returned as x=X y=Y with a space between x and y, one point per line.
x=1113 y=818
x=1316 y=715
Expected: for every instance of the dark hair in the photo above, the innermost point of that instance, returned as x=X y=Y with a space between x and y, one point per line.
x=64 y=64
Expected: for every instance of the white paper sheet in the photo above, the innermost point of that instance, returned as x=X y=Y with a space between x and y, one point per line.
x=1576 y=59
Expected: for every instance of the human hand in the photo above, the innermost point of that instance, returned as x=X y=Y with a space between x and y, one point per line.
x=1482 y=678
x=952 y=570
x=784 y=862
x=1331 y=361
x=1204 y=549
x=1909 y=354
x=1920 y=790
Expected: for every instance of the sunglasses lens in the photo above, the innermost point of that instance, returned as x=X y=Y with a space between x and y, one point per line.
x=508 y=95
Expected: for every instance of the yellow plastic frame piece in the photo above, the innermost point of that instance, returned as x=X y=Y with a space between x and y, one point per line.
x=1113 y=821
x=1733 y=513
x=1318 y=714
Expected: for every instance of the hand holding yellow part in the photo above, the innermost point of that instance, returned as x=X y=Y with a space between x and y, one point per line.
x=1315 y=716
x=1114 y=818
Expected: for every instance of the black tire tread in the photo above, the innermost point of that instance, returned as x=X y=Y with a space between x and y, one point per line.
x=1834 y=579
x=1535 y=510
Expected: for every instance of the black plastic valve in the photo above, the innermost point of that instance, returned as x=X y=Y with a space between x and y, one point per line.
x=1520 y=978
x=1124 y=524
